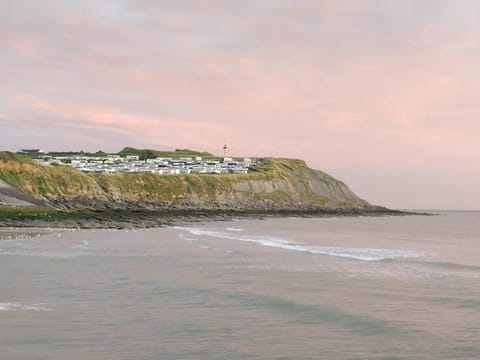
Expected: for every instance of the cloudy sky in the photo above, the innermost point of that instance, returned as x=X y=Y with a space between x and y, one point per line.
x=383 y=94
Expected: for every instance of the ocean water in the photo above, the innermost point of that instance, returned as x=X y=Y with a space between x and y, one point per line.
x=332 y=288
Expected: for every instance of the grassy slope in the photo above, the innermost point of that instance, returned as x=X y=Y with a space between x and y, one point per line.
x=282 y=179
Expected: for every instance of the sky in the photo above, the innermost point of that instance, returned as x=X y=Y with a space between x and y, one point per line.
x=382 y=94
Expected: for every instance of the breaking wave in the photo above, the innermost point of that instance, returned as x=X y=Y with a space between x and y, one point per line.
x=363 y=254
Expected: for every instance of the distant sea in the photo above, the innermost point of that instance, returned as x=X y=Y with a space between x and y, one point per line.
x=401 y=287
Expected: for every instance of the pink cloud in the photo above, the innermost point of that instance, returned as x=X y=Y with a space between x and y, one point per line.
x=85 y=116
x=21 y=43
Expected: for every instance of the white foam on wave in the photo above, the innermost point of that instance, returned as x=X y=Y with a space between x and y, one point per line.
x=264 y=240
x=85 y=245
x=13 y=306
x=364 y=254
x=234 y=229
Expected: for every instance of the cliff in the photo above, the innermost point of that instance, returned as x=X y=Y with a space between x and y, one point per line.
x=274 y=184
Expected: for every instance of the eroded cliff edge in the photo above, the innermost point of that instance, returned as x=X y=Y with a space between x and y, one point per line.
x=274 y=184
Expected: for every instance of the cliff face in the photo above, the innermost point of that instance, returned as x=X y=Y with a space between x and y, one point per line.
x=273 y=184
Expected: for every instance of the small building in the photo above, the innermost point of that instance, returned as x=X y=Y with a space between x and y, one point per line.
x=32 y=151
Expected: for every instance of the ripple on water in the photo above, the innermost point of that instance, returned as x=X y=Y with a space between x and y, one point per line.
x=16 y=306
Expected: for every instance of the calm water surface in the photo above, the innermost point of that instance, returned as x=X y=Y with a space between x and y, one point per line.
x=336 y=288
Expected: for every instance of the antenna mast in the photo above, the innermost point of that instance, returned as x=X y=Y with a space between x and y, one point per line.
x=225 y=148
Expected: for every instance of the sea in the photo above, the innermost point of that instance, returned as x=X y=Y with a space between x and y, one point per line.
x=397 y=287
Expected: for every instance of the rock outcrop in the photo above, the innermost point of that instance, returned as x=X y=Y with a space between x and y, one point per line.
x=11 y=197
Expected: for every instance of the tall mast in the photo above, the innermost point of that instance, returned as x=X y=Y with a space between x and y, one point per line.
x=225 y=148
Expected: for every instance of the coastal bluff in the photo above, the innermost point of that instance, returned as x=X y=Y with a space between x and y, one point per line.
x=274 y=184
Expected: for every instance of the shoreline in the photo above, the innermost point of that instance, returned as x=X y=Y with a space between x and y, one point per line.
x=121 y=219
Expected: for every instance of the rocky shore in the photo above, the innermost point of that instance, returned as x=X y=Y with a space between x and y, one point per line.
x=159 y=218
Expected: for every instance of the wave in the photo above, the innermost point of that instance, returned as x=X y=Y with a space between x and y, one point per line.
x=13 y=306
x=43 y=253
x=451 y=268
x=363 y=254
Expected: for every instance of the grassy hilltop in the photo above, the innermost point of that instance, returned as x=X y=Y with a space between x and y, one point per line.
x=142 y=153
x=274 y=184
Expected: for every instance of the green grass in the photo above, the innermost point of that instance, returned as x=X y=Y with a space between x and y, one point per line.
x=316 y=199
x=30 y=214
x=11 y=177
x=9 y=156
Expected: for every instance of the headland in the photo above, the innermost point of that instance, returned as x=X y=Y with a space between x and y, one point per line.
x=35 y=192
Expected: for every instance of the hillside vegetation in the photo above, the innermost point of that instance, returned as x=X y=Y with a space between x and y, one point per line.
x=273 y=184
x=149 y=153
x=142 y=153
